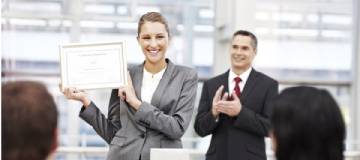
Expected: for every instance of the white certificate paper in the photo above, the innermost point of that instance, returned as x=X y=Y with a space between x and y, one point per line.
x=95 y=65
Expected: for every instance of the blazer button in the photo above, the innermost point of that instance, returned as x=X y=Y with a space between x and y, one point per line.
x=142 y=135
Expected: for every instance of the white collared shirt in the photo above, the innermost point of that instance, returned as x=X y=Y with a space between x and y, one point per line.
x=149 y=84
x=244 y=77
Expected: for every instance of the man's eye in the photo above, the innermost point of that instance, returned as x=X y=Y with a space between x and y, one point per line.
x=145 y=37
x=245 y=48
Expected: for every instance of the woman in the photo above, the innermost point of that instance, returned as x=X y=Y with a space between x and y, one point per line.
x=154 y=109
x=307 y=125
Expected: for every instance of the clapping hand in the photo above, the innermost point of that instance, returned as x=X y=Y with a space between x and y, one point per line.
x=216 y=99
x=231 y=107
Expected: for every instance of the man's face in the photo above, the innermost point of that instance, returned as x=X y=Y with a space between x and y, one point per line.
x=242 y=52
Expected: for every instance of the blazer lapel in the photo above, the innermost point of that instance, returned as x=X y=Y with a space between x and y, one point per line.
x=156 y=98
x=137 y=80
x=250 y=84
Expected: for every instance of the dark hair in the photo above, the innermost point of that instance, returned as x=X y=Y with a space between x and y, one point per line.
x=307 y=125
x=29 y=121
x=254 y=41
x=153 y=17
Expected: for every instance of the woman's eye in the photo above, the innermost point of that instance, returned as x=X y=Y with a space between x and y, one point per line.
x=160 y=37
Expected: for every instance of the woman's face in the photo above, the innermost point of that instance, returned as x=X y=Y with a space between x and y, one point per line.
x=154 y=40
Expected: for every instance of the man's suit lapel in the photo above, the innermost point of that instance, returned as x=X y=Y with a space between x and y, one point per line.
x=160 y=89
x=224 y=81
x=250 y=84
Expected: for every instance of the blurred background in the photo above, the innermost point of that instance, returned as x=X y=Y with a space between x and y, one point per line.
x=308 y=42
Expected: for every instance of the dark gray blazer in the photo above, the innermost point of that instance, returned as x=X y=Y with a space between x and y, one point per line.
x=240 y=137
x=161 y=124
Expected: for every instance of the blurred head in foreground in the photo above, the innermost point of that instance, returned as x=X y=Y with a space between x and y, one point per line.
x=307 y=125
x=29 y=121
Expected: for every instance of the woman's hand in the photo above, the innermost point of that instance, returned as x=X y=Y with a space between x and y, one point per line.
x=127 y=93
x=76 y=94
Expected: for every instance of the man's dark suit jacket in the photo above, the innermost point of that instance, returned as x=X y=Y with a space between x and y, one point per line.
x=240 y=137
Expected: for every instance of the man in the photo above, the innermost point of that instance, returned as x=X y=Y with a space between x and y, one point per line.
x=29 y=121
x=239 y=118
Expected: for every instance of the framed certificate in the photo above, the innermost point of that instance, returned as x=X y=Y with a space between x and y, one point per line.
x=93 y=65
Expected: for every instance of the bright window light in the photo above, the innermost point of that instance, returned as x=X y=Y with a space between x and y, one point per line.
x=206 y=13
x=197 y=28
x=262 y=30
x=142 y=9
x=54 y=23
x=3 y=21
x=335 y=34
x=122 y=10
x=180 y=27
x=264 y=16
x=97 y=24
x=290 y=17
x=100 y=9
x=67 y=23
x=336 y=19
x=204 y=28
x=127 y=25
x=296 y=32
x=35 y=7
x=27 y=22
x=268 y=7
x=313 y=18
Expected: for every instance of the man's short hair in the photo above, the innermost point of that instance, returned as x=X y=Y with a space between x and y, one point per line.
x=254 y=41
x=29 y=121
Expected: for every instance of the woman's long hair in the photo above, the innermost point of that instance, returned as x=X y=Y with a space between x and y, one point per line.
x=307 y=125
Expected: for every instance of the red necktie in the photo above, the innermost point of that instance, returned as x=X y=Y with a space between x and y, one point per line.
x=237 y=86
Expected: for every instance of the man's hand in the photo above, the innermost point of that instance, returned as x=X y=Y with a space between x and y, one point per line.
x=231 y=108
x=216 y=99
